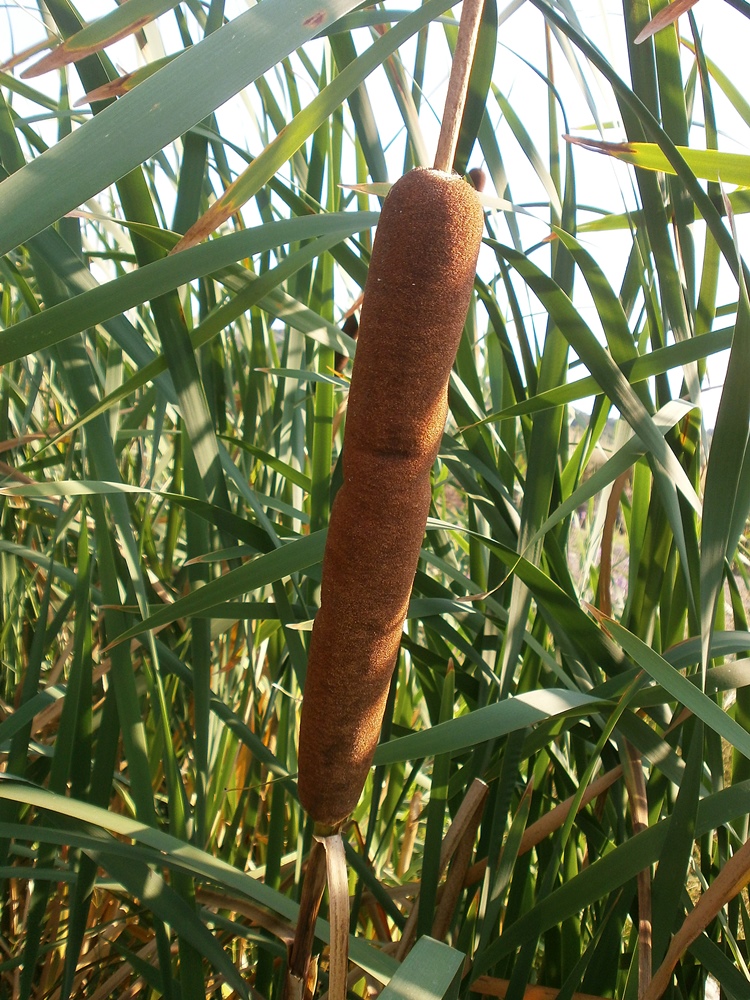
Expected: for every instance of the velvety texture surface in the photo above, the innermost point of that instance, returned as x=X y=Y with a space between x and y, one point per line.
x=416 y=299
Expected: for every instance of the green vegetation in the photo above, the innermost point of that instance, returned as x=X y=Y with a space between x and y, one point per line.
x=563 y=782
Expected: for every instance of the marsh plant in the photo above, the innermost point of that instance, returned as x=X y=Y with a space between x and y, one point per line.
x=559 y=800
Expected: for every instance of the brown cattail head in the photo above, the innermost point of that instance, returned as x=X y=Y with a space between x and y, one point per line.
x=478 y=178
x=350 y=326
x=416 y=298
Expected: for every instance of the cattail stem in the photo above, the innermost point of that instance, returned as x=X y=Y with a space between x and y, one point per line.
x=312 y=892
x=458 y=85
x=338 y=916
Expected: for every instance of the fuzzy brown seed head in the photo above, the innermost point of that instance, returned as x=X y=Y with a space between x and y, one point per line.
x=478 y=178
x=416 y=299
x=350 y=326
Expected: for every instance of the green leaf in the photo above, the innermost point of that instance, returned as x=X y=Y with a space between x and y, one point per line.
x=680 y=688
x=486 y=724
x=199 y=862
x=145 y=884
x=708 y=164
x=53 y=325
x=119 y=23
x=723 y=472
x=601 y=365
x=302 y=126
x=162 y=108
x=431 y=971
x=608 y=873
x=291 y=557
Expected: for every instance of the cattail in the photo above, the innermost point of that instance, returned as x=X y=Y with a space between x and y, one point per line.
x=478 y=178
x=350 y=326
x=416 y=299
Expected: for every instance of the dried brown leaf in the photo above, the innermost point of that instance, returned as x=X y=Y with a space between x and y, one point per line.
x=732 y=878
x=666 y=16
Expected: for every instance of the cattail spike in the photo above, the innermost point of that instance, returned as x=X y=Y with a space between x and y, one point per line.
x=416 y=299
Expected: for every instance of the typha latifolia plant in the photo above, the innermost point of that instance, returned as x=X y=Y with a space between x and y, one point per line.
x=558 y=792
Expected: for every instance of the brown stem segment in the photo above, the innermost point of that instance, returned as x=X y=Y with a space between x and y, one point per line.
x=458 y=85
x=462 y=827
x=312 y=892
x=636 y=785
x=338 y=917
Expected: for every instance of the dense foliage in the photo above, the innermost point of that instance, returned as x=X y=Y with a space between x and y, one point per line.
x=563 y=781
